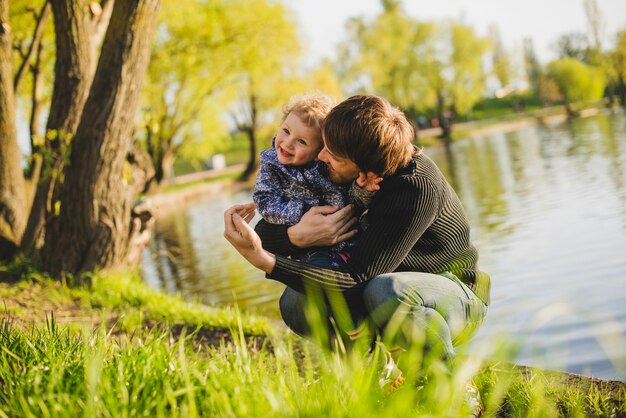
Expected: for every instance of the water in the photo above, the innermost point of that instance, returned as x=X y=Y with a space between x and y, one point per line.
x=547 y=205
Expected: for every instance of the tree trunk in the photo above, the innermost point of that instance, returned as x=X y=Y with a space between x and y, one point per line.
x=93 y=226
x=163 y=153
x=166 y=165
x=444 y=120
x=36 y=162
x=569 y=110
x=253 y=160
x=12 y=191
x=73 y=74
x=622 y=90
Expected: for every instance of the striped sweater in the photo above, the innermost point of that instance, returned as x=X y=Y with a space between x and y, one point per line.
x=416 y=223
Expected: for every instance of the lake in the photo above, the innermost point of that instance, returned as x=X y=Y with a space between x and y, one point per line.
x=547 y=205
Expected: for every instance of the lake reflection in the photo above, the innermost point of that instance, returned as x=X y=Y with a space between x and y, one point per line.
x=547 y=205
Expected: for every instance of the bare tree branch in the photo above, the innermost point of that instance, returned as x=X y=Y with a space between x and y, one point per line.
x=42 y=18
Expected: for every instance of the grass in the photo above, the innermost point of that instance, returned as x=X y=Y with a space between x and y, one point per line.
x=131 y=351
x=119 y=298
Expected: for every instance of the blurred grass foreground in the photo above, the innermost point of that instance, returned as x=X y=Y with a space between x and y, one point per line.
x=114 y=347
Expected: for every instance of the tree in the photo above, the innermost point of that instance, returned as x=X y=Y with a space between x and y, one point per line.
x=323 y=78
x=468 y=80
x=533 y=69
x=617 y=66
x=573 y=45
x=430 y=65
x=32 y=36
x=268 y=74
x=193 y=65
x=392 y=72
x=548 y=91
x=207 y=56
x=578 y=82
x=12 y=194
x=454 y=72
x=502 y=66
x=92 y=228
x=78 y=31
x=596 y=24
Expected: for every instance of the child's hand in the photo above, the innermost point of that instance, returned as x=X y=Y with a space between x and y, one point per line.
x=369 y=181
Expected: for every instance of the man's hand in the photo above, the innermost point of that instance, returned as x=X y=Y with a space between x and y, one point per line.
x=323 y=226
x=244 y=239
x=369 y=181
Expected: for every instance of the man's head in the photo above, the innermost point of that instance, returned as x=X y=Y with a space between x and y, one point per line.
x=365 y=133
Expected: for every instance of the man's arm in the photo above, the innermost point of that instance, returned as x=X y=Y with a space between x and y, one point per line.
x=398 y=218
x=275 y=239
x=321 y=226
x=397 y=221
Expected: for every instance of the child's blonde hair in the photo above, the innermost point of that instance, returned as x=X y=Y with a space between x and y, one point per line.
x=311 y=108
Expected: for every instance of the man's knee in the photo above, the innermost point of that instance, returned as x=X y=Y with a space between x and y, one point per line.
x=379 y=291
x=291 y=306
x=289 y=303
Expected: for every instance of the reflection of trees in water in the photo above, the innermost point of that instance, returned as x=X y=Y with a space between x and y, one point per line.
x=477 y=169
x=174 y=254
x=614 y=148
x=190 y=257
x=164 y=254
x=504 y=180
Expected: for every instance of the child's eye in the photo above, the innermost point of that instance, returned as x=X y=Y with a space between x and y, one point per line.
x=301 y=141
x=285 y=130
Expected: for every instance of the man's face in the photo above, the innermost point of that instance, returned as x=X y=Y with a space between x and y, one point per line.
x=341 y=170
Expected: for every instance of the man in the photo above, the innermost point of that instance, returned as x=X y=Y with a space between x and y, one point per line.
x=414 y=261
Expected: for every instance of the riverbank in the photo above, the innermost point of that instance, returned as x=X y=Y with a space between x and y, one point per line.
x=114 y=347
x=189 y=187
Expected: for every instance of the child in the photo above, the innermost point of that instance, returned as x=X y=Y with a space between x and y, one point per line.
x=291 y=180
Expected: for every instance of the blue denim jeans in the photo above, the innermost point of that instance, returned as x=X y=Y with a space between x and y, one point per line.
x=436 y=310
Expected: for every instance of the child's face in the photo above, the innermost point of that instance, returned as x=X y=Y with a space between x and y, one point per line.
x=297 y=143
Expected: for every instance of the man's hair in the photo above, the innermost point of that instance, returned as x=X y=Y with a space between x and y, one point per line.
x=311 y=108
x=371 y=132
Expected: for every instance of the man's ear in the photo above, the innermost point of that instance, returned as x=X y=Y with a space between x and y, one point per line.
x=361 y=180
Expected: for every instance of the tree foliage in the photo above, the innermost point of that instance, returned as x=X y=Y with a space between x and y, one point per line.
x=268 y=76
x=502 y=62
x=207 y=55
x=393 y=72
x=577 y=81
x=617 y=66
x=192 y=69
x=431 y=65
x=33 y=46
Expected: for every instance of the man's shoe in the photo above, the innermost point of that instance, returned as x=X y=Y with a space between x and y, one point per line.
x=473 y=401
x=391 y=377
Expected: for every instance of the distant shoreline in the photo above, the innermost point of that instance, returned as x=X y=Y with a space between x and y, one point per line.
x=197 y=185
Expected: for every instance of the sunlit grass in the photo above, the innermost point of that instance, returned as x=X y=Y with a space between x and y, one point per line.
x=54 y=370
x=141 y=362
x=122 y=296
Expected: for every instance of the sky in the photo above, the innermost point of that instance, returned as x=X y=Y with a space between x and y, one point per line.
x=322 y=21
